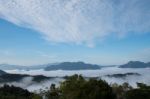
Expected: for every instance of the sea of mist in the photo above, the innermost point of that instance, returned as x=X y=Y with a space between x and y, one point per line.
x=58 y=75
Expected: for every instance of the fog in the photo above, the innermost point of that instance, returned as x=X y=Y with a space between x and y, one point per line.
x=27 y=82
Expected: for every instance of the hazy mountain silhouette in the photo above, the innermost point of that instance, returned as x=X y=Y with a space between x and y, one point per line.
x=2 y=72
x=135 y=64
x=72 y=66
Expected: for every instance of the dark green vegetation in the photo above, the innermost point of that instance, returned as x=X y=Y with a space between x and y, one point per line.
x=72 y=66
x=143 y=92
x=12 y=92
x=123 y=75
x=76 y=87
x=125 y=91
x=135 y=64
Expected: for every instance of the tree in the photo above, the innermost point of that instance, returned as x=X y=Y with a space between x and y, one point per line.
x=120 y=90
x=12 y=92
x=142 y=86
x=76 y=87
x=142 y=92
x=53 y=93
x=138 y=94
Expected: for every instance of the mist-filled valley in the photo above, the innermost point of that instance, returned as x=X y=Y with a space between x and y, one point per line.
x=109 y=74
x=73 y=79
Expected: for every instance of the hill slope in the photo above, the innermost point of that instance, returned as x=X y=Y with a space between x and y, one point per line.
x=2 y=72
x=72 y=66
x=13 y=67
x=135 y=64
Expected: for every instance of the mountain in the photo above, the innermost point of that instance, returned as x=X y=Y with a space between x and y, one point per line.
x=72 y=66
x=13 y=67
x=2 y=72
x=135 y=64
x=8 y=67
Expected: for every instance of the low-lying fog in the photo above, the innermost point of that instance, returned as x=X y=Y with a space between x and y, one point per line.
x=131 y=79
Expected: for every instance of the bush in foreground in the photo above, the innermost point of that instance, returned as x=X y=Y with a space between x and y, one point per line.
x=76 y=87
x=12 y=92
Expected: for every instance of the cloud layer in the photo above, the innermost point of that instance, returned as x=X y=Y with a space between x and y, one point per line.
x=78 y=21
x=132 y=79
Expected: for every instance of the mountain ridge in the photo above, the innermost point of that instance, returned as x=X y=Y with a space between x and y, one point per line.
x=135 y=64
x=72 y=66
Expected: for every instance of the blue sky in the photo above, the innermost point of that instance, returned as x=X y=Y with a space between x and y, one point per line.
x=99 y=31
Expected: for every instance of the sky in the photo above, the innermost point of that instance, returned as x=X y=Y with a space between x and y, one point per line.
x=106 y=32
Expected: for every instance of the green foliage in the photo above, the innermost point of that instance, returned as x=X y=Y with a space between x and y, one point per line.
x=143 y=92
x=120 y=90
x=53 y=93
x=76 y=87
x=12 y=92
x=143 y=86
x=138 y=94
x=36 y=96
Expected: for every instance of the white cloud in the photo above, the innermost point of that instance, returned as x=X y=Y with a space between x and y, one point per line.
x=78 y=21
x=144 y=78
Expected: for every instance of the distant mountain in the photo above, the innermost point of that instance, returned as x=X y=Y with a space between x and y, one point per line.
x=135 y=64
x=13 y=67
x=8 y=67
x=2 y=72
x=72 y=66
